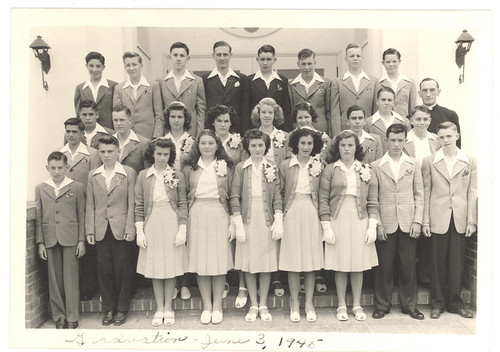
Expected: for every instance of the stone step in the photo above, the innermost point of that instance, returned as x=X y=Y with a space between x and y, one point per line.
x=144 y=300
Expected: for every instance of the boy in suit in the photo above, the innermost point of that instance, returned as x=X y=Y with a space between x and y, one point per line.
x=60 y=237
x=137 y=94
x=356 y=87
x=93 y=130
x=82 y=159
x=401 y=200
x=132 y=145
x=371 y=143
x=223 y=86
x=109 y=223
x=316 y=90
x=180 y=85
x=97 y=88
x=268 y=83
x=450 y=185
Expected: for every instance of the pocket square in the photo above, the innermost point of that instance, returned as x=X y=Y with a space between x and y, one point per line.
x=108 y=92
x=465 y=173
x=409 y=172
x=237 y=84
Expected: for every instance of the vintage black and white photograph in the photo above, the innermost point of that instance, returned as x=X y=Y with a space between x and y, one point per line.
x=251 y=179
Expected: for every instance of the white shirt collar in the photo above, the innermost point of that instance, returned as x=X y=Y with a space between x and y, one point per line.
x=152 y=171
x=386 y=158
x=339 y=163
x=216 y=72
x=377 y=116
x=209 y=167
x=82 y=148
x=66 y=181
x=411 y=136
x=299 y=79
x=186 y=74
x=184 y=136
x=460 y=156
x=249 y=162
x=274 y=75
x=117 y=169
x=365 y=135
x=142 y=82
x=400 y=78
x=102 y=82
x=295 y=161
x=362 y=75
x=131 y=137
x=99 y=128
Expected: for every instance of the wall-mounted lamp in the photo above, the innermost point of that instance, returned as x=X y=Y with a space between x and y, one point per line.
x=41 y=50
x=464 y=43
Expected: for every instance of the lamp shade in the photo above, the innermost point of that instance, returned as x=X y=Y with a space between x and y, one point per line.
x=464 y=38
x=39 y=46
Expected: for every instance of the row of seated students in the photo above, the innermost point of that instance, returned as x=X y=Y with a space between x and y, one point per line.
x=257 y=204
x=224 y=86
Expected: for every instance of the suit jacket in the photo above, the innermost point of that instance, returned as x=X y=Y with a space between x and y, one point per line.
x=433 y=144
x=278 y=90
x=94 y=143
x=441 y=114
x=104 y=101
x=344 y=95
x=445 y=195
x=234 y=94
x=373 y=149
x=142 y=108
x=60 y=219
x=401 y=202
x=133 y=154
x=115 y=207
x=144 y=190
x=378 y=128
x=80 y=167
x=406 y=95
x=191 y=94
x=319 y=96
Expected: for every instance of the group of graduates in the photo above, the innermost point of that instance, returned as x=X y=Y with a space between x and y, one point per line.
x=260 y=175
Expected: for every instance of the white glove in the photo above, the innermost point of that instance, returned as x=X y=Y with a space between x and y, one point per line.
x=232 y=230
x=180 y=237
x=328 y=235
x=277 y=227
x=240 y=229
x=371 y=232
x=141 y=236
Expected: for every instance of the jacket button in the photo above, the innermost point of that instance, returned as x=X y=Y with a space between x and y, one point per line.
x=57 y=222
x=57 y=211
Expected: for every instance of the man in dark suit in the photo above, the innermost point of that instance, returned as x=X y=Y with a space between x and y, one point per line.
x=267 y=83
x=223 y=86
x=429 y=91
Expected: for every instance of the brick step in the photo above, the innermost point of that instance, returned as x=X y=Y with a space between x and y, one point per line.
x=144 y=300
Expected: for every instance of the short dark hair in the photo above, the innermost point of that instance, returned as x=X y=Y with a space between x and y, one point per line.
x=396 y=128
x=179 y=45
x=221 y=43
x=279 y=118
x=266 y=49
x=421 y=108
x=445 y=125
x=179 y=106
x=130 y=55
x=305 y=53
x=216 y=111
x=385 y=89
x=293 y=142
x=108 y=140
x=194 y=154
x=334 y=153
x=426 y=80
x=120 y=108
x=391 y=51
x=57 y=156
x=73 y=121
x=304 y=106
x=160 y=143
x=95 y=55
x=88 y=104
x=355 y=108
x=255 y=133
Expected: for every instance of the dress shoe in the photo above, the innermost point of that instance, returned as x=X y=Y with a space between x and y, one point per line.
x=120 y=318
x=436 y=313
x=61 y=323
x=463 y=312
x=72 y=324
x=108 y=318
x=379 y=313
x=414 y=313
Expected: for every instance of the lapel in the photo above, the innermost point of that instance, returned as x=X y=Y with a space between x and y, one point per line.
x=114 y=181
x=50 y=191
x=128 y=149
x=77 y=159
x=101 y=181
x=349 y=85
x=231 y=81
x=362 y=85
x=441 y=167
x=130 y=93
x=169 y=83
x=410 y=148
x=312 y=89
x=260 y=85
x=404 y=168
x=275 y=86
x=217 y=84
x=300 y=90
x=87 y=94
x=185 y=84
x=459 y=166
x=140 y=92
x=379 y=124
x=386 y=169
x=401 y=85
x=64 y=190
x=100 y=93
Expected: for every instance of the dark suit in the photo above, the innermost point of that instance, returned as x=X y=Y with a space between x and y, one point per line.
x=441 y=114
x=278 y=90
x=234 y=94
x=104 y=101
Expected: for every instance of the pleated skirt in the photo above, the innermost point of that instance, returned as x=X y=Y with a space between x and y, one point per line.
x=162 y=259
x=208 y=245
x=350 y=253
x=301 y=245
x=259 y=253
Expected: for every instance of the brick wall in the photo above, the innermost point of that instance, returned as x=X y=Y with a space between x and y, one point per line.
x=37 y=291
x=470 y=267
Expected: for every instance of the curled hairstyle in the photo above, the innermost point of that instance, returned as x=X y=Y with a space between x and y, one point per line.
x=160 y=143
x=255 y=133
x=177 y=105
x=334 y=153
x=195 y=154
x=386 y=89
x=216 y=111
x=391 y=51
x=293 y=142
x=396 y=128
x=88 y=104
x=278 y=119
x=109 y=140
x=304 y=106
x=57 y=156
x=73 y=121
x=131 y=55
x=94 y=55
x=355 y=108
